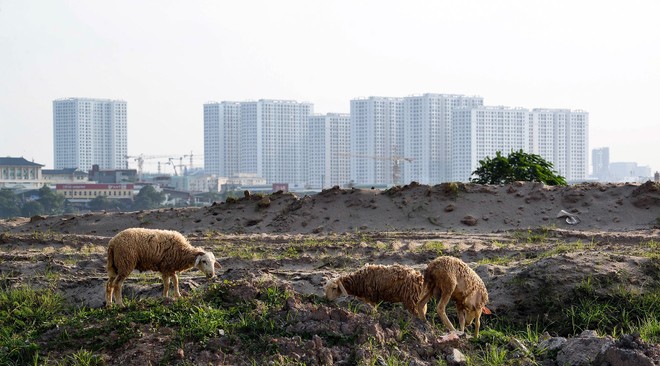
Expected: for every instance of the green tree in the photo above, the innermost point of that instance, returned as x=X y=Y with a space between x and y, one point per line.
x=52 y=202
x=100 y=203
x=148 y=198
x=518 y=166
x=9 y=206
x=32 y=208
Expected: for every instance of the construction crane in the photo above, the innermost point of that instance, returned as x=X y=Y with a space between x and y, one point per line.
x=140 y=161
x=396 y=163
x=171 y=162
x=191 y=160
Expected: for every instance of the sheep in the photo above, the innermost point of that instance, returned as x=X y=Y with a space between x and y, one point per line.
x=164 y=251
x=375 y=283
x=453 y=278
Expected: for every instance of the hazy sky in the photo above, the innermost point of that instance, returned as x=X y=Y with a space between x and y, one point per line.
x=167 y=58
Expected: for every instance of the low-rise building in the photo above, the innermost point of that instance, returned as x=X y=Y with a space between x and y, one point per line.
x=82 y=192
x=69 y=175
x=19 y=173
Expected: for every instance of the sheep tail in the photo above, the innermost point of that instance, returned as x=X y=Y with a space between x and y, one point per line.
x=112 y=268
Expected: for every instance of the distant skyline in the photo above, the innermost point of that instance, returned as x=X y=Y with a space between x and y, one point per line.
x=166 y=59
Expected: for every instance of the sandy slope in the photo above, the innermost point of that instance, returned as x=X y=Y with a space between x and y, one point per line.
x=446 y=207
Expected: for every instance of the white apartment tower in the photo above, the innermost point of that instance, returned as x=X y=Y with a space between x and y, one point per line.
x=428 y=135
x=560 y=136
x=376 y=140
x=483 y=131
x=328 y=150
x=600 y=161
x=272 y=140
x=88 y=132
x=221 y=138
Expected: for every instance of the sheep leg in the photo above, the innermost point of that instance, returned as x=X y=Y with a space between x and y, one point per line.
x=477 y=323
x=421 y=305
x=166 y=284
x=461 y=318
x=177 y=293
x=411 y=306
x=119 y=283
x=447 y=288
x=109 y=289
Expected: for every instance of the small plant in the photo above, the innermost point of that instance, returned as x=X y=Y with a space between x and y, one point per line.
x=531 y=236
x=84 y=358
x=451 y=189
x=437 y=247
x=492 y=355
x=500 y=261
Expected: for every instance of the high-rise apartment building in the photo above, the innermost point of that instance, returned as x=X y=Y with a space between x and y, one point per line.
x=328 y=150
x=483 y=131
x=88 y=132
x=265 y=137
x=600 y=161
x=272 y=136
x=222 y=138
x=427 y=135
x=376 y=140
x=561 y=136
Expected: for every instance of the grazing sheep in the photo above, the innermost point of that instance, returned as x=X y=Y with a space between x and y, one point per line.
x=164 y=251
x=375 y=283
x=453 y=278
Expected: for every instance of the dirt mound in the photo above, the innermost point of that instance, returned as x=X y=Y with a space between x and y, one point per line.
x=414 y=207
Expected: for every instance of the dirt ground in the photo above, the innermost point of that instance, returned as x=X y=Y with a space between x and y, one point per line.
x=510 y=234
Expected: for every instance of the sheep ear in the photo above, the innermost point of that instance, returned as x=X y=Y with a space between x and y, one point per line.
x=341 y=287
x=485 y=310
x=217 y=265
x=197 y=260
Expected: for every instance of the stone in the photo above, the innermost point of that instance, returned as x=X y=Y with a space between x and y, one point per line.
x=456 y=357
x=469 y=220
x=582 y=350
x=552 y=344
x=622 y=357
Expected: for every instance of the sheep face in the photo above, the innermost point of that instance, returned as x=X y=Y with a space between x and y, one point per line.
x=470 y=315
x=206 y=263
x=334 y=289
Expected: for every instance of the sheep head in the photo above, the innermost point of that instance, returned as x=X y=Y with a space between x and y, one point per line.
x=334 y=289
x=206 y=263
x=472 y=308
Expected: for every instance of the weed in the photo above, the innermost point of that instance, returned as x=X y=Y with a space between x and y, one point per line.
x=437 y=247
x=498 y=244
x=531 y=236
x=84 y=358
x=492 y=355
x=500 y=261
x=649 y=330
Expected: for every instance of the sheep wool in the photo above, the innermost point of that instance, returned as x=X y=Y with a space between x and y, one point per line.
x=164 y=251
x=375 y=283
x=451 y=278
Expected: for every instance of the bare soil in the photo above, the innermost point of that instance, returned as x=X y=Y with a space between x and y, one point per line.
x=530 y=259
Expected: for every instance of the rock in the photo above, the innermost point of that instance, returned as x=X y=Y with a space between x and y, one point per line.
x=450 y=208
x=264 y=202
x=518 y=347
x=37 y=218
x=629 y=350
x=552 y=344
x=456 y=357
x=469 y=220
x=622 y=357
x=582 y=350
